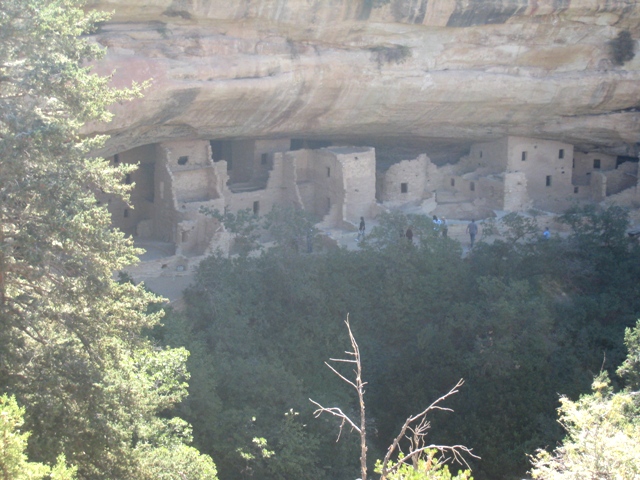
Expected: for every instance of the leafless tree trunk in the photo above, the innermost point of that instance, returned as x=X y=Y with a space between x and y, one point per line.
x=414 y=428
x=358 y=384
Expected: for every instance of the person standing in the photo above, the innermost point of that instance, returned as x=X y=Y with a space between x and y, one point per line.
x=472 y=229
x=444 y=227
x=436 y=223
x=409 y=235
x=361 y=229
x=547 y=234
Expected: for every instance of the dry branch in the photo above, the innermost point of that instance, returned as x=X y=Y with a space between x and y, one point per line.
x=358 y=385
x=414 y=429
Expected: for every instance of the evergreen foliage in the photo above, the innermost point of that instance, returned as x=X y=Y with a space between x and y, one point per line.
x=428 y=467
x=72 y=343
x=520 y=319
x=14 y=464
x=602 y=430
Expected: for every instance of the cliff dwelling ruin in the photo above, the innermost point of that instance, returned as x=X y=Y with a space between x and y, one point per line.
x=539 y=110
x=339 y=184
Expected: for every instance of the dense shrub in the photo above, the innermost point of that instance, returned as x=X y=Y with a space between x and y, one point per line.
x=520 y=320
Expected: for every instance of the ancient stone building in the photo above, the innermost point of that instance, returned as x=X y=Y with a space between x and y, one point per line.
x=510 y=174
x=339 y=184
x=177 y=179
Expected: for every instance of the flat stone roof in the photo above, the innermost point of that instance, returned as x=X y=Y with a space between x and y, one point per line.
x=349 y=150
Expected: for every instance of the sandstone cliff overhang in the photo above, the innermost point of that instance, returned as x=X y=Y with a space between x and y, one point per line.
x=374 y=72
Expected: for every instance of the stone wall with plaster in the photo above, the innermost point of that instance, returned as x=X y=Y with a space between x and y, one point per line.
x=325 y=173
x=585 y=164
x=598 y=187
x=298 y=177
x=491 y=190
x=251 y=160
x=165 y=217
x=489 y=157
x=404 y=182
x=260 y=200
x=127 y=216
x=516 y=197
x=548 y=169
x=624 y=176
x=358 y=166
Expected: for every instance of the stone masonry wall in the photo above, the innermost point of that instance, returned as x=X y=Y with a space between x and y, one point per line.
x=584 y=164
x=165 y=217
x=548 y=168
x=126 y=217
x=358 y=173
x=328 y=186
x=516 y=197
x=623 y=177
x=488 y=156
x=404 y=182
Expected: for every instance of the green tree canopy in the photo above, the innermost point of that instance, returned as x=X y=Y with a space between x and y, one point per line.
x=602 y=429
x=72 y=343
x=14 y=464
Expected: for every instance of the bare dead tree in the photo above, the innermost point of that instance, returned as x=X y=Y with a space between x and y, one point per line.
x=358 y=385
x=414 y=429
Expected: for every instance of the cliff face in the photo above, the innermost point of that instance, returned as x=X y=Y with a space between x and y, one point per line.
x=374 y=71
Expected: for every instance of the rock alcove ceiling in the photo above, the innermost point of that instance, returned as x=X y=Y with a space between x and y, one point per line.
x=423 y=74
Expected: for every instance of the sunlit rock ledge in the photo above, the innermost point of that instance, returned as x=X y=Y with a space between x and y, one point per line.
x=410 y=72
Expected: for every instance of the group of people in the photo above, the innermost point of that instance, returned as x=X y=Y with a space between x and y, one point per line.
x=440 y=225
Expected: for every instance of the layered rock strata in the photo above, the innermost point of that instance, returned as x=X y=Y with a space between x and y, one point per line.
x=382 y=72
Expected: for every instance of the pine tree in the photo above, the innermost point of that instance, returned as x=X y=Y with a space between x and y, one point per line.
x=72 y=343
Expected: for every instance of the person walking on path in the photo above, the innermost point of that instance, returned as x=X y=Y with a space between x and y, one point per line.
x=361 y=229
x=409 y=235
x=547 y=234
x=472 y=229
x=436 y=223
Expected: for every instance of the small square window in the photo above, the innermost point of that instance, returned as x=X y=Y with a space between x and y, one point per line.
x=404 y=188
x=453 y=182
x=126 y=213
x=127 y=179
x=596 y=163
x=524 y=156
x=561 y=153
x=183 y=160
x=575 y=189
x=472 y=186
x=548 y=182
x=264 y=158
x=116 y=159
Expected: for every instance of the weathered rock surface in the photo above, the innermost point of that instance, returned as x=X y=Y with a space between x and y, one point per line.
x=405 y=72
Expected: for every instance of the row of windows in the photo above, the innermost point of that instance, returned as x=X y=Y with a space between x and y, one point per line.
x=596 y=161
x=525 y=154
x=404 y=187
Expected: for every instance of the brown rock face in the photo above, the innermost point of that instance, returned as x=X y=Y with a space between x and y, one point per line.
x=375 y=72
